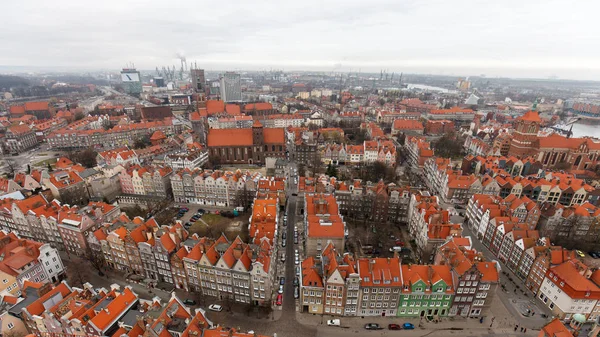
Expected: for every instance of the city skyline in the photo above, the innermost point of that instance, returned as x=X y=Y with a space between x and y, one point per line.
x=464 y=38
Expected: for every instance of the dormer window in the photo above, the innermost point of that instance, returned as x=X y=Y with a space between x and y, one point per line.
x=366 y=279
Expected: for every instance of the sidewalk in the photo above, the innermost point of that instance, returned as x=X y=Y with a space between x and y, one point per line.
x=421 y=326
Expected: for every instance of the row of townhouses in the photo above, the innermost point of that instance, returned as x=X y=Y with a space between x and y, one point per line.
x=217 y=188
x=66 y=311
x=459 y=284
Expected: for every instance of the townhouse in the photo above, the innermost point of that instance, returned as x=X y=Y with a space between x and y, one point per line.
x=218 y=188
x=418 y=151
x=571 y=288
x=76 y=136
x=148 y=180
x=89 y=311
x=429 y=225
x=475 y=279
x=380 y=286
x=426 y=290
x=577 y=226
x=322 y=223
x=187 y=159
x=545 y=257
x=27 y=260
x=381 y=203
x=68 y=187
x=19 y=138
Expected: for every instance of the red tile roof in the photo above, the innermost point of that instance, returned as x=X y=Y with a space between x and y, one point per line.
x=274 y=136
x=230 y=137
x=36 y=106
x=114 y=310
x=555 y=329
x=531 y=116
x=407 y=124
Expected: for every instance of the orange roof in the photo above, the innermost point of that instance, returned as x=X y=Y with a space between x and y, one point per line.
x=31 y=203
x=167 y=242
x=63 y=162
x=215 y=107
x=531 y=116
x=406 y=124
x=274 y=136
x=36 y=106
x=489 y=271
x=555 y=329
x=233 y=109
x=380 y=272
x=158 y=135
x=19 y=129
x=115 y=309
x=37 y=307
x=17 y=110
x=258 y=106
x=573 y=283
x=230 y=137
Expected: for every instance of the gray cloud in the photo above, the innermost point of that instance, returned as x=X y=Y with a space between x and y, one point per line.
x=512 y=38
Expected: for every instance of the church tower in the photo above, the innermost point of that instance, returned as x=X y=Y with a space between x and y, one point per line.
x=524 y=137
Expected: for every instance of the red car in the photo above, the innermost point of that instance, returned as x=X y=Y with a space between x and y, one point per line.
x=394 y=327
x=279 y=299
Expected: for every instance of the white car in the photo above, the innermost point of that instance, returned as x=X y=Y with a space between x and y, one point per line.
x=297 y=261
x=215 y=307
x=280 y=289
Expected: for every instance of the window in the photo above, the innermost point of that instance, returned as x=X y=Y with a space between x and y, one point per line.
x=10 y=325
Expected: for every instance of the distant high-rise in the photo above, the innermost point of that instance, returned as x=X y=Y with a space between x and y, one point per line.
x=198 y=80
x=132 y=82
x=159 y=81
x=231 y=87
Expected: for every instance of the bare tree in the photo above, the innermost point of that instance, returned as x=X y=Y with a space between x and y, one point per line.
x=77 y=274
x=10 y=168
x=96 y=259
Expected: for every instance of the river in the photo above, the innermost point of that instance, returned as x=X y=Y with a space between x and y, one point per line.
x=586 y=130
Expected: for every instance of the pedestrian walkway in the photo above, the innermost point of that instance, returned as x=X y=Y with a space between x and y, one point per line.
x=422 y=327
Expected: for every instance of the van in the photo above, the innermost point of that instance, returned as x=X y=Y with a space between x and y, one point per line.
x=396 y=249
x=333 y=322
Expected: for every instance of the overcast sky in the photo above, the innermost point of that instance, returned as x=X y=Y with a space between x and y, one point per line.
x=524 y=38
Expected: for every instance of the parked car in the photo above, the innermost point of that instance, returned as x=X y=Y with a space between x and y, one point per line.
x=408 y=326
x=283 y=235
x=282 y=257
x=579 y=253
x=189 y=302
x=280 y=291
x=394 y=327
x=215 y=307
x=282 y=280
x=279 y=299
x=593 y=254
x=295 y=239
x=296 y=281
x=296 y=292
x=283 y=243
x=297 y=260
x=372 y=326
x=333 y=322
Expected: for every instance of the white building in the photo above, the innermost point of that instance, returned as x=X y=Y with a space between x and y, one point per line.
x=568 y=289
x=51 y=262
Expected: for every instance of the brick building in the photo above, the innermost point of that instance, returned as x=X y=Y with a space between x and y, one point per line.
x=246 y=146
